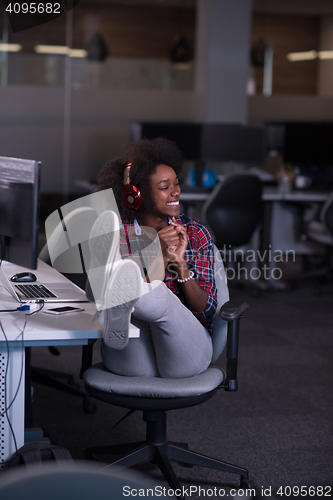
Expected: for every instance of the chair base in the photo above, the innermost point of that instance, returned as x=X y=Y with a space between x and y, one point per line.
x=158 y=451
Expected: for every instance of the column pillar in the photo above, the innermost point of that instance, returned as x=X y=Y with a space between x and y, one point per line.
x=325 y=66
x=222 y=58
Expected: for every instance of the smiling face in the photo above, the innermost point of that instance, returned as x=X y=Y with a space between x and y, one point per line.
x=165 y=191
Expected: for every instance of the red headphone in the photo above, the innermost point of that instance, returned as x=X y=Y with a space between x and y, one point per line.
x=132 y=196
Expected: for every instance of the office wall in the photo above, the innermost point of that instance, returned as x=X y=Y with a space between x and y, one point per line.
x=31 y=125
x=288 y=33
x=223 y=35
x=31 y=117
x=325 y=69
x=289 y=107
x=31 y=122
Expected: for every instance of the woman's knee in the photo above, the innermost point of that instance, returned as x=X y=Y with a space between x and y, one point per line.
x=153 y=305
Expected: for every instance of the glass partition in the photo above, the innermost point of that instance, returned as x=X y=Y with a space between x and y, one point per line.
x=103 y=54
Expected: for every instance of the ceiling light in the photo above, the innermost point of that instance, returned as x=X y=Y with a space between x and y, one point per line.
x=325 y=54
x=78 y=53
x=10 y=47
x=302 y=56
x=60 y=50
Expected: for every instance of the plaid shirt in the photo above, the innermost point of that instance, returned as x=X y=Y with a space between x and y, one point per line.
x=199 y=256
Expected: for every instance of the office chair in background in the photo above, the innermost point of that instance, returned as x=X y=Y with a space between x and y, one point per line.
x=320 y=232
x=155 y=396
x=67 y=262
x=233 y=213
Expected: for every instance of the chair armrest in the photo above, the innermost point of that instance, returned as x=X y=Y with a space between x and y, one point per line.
x=232 y=313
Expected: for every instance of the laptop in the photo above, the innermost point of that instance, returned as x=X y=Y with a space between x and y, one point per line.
x=37 y=291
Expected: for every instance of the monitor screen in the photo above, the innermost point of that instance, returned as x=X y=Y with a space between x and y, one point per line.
x=202 y=141
x=233 y=142
x=19 y=211
x=187 y=136
x=274 y=138
x=308 y=143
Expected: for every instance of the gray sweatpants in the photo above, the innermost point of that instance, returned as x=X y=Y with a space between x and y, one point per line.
x=174 y=345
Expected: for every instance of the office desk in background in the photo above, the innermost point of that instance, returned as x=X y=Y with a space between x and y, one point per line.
x=280 y=214
x=278 y=232
x=268 y=194
x=41 y=330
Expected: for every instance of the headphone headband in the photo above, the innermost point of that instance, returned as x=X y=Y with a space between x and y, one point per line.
x=127 y=173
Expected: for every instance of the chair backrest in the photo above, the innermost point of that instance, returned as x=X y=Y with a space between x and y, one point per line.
x=72 y=480
x=61 y=249
x=234 y=209
x=220 y=326
x=326 y=213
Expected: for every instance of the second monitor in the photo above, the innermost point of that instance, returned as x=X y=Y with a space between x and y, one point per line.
x=19 y=211
x=224 y=142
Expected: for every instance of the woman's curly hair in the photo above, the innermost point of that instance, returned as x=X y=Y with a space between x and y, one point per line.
x=145 y=156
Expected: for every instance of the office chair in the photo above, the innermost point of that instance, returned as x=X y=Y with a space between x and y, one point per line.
x=63 y=479
x=233 y=213
x=67 y=262
x=155 y=396
x=320 y=232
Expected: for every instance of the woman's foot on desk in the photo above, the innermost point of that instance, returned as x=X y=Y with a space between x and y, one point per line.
x=123 y=289
x=105 y=255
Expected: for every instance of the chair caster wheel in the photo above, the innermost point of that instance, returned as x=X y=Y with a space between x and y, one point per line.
x=248 y=484
x=88 y=407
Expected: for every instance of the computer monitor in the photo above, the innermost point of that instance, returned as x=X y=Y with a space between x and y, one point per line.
x=308 y=143
x=233 y=143
x=19 y=211
x=187 y=136
x=275 y=138
x=203 y=141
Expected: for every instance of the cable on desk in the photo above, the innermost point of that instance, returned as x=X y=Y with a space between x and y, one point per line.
x=21 y=308
x=21 y=374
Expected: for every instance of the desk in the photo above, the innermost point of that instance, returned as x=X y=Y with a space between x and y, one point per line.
x=41 y=329
x=277 y=234
x=269 y=194
x=279 y=220
x=304 y=196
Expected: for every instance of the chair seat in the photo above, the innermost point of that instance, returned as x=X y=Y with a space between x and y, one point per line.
x=98 y=377
x=320 y=235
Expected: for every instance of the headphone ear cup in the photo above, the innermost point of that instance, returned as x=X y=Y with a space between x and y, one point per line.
x=132 y=197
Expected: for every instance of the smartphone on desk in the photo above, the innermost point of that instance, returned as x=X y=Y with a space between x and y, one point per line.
x=62 y=310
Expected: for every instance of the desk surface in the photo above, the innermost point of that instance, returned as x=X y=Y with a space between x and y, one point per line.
x=270 y=194
x=69 y=328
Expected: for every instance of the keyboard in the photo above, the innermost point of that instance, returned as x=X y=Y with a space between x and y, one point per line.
x=35 y=291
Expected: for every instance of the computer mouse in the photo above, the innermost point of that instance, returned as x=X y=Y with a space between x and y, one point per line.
x=23 y=277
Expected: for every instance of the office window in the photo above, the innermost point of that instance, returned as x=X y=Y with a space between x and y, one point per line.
x=118 y=46
x=285 y=34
